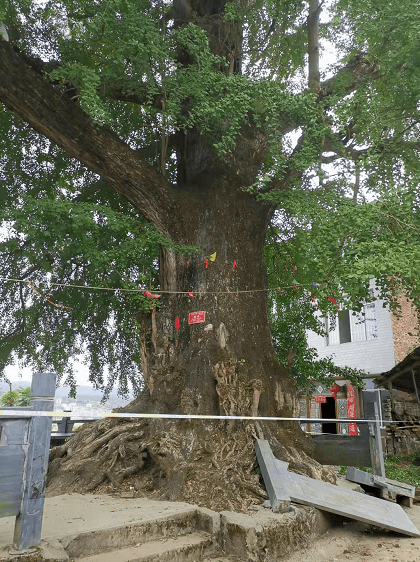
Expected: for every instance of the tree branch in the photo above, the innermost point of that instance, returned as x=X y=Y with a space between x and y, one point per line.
x=356 y=70
x=313 y=45
x=50 y=112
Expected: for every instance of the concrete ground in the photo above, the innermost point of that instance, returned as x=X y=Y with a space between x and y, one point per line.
x=75 y=524
x=359 y=542
x=70 y=514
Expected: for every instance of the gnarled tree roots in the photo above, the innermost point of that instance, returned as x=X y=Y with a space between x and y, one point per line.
x=211 y=464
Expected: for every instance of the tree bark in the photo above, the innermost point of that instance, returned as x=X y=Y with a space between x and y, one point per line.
x=226 y=279
x=313 y=45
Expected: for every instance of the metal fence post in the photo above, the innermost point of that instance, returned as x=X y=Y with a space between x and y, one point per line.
x=376 y=451
x=29 y=521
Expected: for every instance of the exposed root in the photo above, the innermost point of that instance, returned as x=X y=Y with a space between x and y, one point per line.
x=212 y=464
x=198 y=462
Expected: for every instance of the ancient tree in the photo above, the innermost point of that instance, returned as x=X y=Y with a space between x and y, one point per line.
x=206 y=117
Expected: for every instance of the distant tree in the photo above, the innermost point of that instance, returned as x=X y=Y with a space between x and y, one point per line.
x=19 y=397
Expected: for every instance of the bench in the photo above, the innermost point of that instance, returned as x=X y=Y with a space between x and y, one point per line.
x=65 y=429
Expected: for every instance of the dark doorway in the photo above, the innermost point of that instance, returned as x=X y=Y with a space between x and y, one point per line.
x=328 y=411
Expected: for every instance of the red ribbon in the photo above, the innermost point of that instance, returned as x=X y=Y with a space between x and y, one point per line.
x=150 y=295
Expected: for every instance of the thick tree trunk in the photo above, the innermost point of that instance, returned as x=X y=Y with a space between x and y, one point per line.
x=223 y=365
x=227 y=363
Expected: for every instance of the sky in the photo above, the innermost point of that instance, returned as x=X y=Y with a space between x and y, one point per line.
x=16 y=374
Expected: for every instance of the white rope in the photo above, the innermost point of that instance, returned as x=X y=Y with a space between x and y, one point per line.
x=31 y=413
x=159 y=291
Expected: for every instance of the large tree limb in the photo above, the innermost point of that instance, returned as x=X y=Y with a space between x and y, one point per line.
x=313 y=45
x=356 y=70
x=117 y=94
x=51 y=113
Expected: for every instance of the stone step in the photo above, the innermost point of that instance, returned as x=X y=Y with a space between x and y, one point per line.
x=185 y=548
x=139 y=531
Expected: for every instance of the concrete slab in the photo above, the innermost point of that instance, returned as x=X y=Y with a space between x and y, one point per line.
x=269 y=537
x=333 y=499
x=279 y=497
x=367 y=479
x=188 y=548
x=78 y=525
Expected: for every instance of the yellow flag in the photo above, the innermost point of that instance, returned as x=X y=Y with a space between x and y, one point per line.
x=213 y=256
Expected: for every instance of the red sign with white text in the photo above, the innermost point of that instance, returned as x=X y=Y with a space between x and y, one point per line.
x=351 y=408
x=197 y=317
x=320 y=399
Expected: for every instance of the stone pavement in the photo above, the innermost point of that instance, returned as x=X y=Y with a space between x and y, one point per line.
x=92 y=528
x=70 y=514
x=98 y=528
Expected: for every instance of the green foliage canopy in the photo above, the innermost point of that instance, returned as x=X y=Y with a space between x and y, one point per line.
x=342 y=165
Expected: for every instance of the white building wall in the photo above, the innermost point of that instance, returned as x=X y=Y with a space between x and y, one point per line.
x=373 y=355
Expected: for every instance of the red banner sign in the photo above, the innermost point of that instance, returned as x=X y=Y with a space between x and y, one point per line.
x=320 y=399
x=351 y=408
x=197 y=317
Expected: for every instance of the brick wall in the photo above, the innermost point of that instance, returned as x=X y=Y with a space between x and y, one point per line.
x=405 y=328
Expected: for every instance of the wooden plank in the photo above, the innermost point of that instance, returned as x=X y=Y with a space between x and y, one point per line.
x=415 y=386
x=279 y=498
x=341 y=501
x=29 y=521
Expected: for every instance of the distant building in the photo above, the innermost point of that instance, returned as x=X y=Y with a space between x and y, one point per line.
x=373 y=340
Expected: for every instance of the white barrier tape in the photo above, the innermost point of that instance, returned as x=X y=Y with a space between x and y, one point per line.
x=32 y=413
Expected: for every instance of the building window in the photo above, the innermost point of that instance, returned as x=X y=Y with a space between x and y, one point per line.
x=344 y=326
x=348 y=327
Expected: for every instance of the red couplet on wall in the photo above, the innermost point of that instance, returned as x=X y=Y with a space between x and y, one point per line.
x=197 y=317
x=351 y=408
